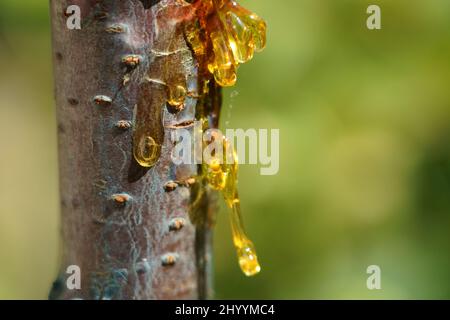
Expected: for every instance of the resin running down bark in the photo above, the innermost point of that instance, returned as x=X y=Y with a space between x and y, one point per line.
x=137 y=225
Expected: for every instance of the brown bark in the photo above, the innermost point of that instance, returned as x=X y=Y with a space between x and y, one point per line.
x=117 y=218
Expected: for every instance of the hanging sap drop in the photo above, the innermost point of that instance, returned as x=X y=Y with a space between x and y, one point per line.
x=223 y=64
x=146 y=151
x=225 y=76
x=247 y=258
x=248 y=261
x=240 y=38
x=176 y=95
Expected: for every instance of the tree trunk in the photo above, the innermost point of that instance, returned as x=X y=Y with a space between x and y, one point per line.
x=128 y=228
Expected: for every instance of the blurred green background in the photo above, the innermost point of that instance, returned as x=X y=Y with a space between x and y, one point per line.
x=364 y=119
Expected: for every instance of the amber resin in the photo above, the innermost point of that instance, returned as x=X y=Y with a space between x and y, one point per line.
x=223 y=36
x=146 y=151
x=221 y=174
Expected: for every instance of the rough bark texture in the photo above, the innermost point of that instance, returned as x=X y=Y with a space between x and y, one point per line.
x=117 y=218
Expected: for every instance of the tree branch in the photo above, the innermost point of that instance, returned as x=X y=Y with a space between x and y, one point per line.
x=131 y=236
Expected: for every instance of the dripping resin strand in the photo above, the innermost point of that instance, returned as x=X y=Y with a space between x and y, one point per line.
x=221 y=175
x=224 y=36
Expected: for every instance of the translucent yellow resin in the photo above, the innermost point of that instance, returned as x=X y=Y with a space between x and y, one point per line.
x=177 y=95
x=227 y=35
x=222 y=176
x=146 y=151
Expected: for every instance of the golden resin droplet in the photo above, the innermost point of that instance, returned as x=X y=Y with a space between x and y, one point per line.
x=223 y=66
x=177 y=95
x=248 y=260
x=215 y=165
x=146 y=151
x=222 y=176
x=240 y=38
x=225 y=76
